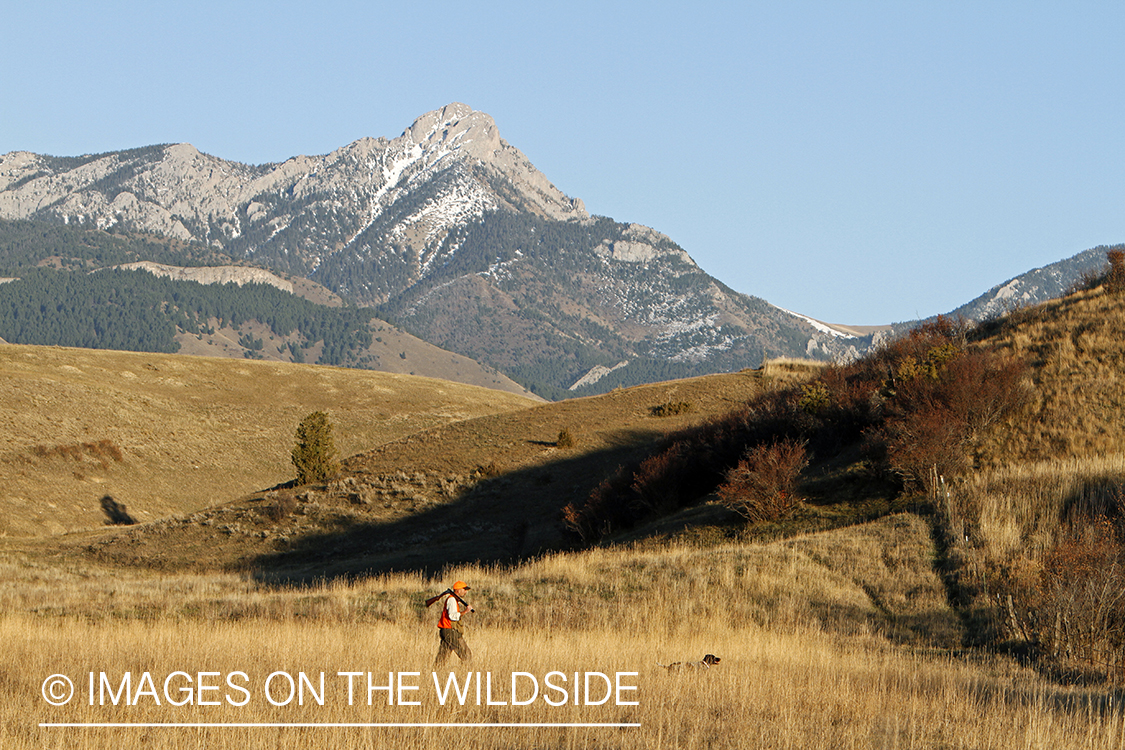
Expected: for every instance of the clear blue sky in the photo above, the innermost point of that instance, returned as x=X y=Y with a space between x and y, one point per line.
x=858 y=162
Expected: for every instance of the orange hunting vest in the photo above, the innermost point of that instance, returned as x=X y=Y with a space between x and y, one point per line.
x=444 y=621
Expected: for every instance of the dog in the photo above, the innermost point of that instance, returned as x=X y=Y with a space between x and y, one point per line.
x=708 y=661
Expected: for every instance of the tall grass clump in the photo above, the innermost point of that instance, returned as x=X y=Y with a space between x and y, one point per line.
x=672 y=409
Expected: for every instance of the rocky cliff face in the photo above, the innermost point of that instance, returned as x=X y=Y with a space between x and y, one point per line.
x=360 y=199
x=453 y=233
x=212 y=274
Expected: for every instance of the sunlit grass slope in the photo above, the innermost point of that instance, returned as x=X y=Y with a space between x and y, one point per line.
x=167 y=434
x=827 y=641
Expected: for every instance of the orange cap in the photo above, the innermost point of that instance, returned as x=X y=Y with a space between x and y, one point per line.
x=461 y=585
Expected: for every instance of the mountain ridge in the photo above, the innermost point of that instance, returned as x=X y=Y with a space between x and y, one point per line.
x=443 y=229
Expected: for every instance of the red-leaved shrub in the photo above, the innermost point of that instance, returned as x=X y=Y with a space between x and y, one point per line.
x=916 y=404
x=931 y=420
x=763 y=486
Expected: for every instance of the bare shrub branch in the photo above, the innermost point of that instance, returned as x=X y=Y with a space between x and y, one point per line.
x=763 y=486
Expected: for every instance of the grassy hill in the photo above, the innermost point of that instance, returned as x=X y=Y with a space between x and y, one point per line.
x=489 y=488
x=1077 y=355
x=171 y=434
x=826 y=640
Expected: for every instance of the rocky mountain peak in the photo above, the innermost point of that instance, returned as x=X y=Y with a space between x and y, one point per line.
x=456 y=127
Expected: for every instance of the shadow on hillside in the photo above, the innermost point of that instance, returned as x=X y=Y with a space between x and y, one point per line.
x=499 y=520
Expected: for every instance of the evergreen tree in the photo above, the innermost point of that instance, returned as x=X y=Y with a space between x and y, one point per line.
x=315 y=453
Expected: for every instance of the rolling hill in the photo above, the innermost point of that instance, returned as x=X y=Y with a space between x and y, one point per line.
x=171 y=434
x=493 y=487
x=489 y=488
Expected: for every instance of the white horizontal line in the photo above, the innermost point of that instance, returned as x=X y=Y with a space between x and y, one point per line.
x=196 y=725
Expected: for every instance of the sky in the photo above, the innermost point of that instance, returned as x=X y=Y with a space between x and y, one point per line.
x=857 y=162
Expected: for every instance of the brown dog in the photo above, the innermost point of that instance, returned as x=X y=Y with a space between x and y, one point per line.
x=708 y=661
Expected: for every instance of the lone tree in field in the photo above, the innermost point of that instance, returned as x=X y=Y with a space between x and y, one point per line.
x=315 y=454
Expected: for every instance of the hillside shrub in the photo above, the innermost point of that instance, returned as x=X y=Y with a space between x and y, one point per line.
x=652 y=488
x=314 y=455
x=602 y=511
x=279 y=508
x=490 y=470
x=1070 y=605
x=815 y=397
x=565 y=439
x=763 y=486
x=102 y=451
x=691 y=464
x=672 y=409
x=115 y=512
x=1088 y=280
x=915 y=405
x=933 y=418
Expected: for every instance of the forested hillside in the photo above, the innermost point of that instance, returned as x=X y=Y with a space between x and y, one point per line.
x=66 y=292
x=452 y=232
x=136 y=311
x=548 y=302
x=32 y=244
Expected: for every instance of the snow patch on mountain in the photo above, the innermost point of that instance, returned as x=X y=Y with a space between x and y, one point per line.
x=454 y=206
x=822 y=327
x=500 y=271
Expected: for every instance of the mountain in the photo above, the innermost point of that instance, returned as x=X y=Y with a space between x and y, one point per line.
x=448 y=231
x=86 y=288
x=1037 y=285
x=1030 y=288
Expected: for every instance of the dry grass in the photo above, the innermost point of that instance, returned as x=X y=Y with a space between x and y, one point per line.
x=873 y=578
x=791 y=368
x=183 y=433
x=1077 y=355
x=838 y=639
x=800 y=626
x=489 y=488
x=1019 y=509
x=1004 y=525
x=801 y=689
x=1060 y=451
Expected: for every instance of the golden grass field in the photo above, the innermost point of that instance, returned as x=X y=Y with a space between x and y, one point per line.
x=809 y=659
x=842 y=637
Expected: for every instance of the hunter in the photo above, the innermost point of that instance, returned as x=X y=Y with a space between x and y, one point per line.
x=450 y=628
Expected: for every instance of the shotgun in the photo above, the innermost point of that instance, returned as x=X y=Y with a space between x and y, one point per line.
x=431 y=600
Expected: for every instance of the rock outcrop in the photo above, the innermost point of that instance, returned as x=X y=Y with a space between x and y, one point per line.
x=212 y=274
